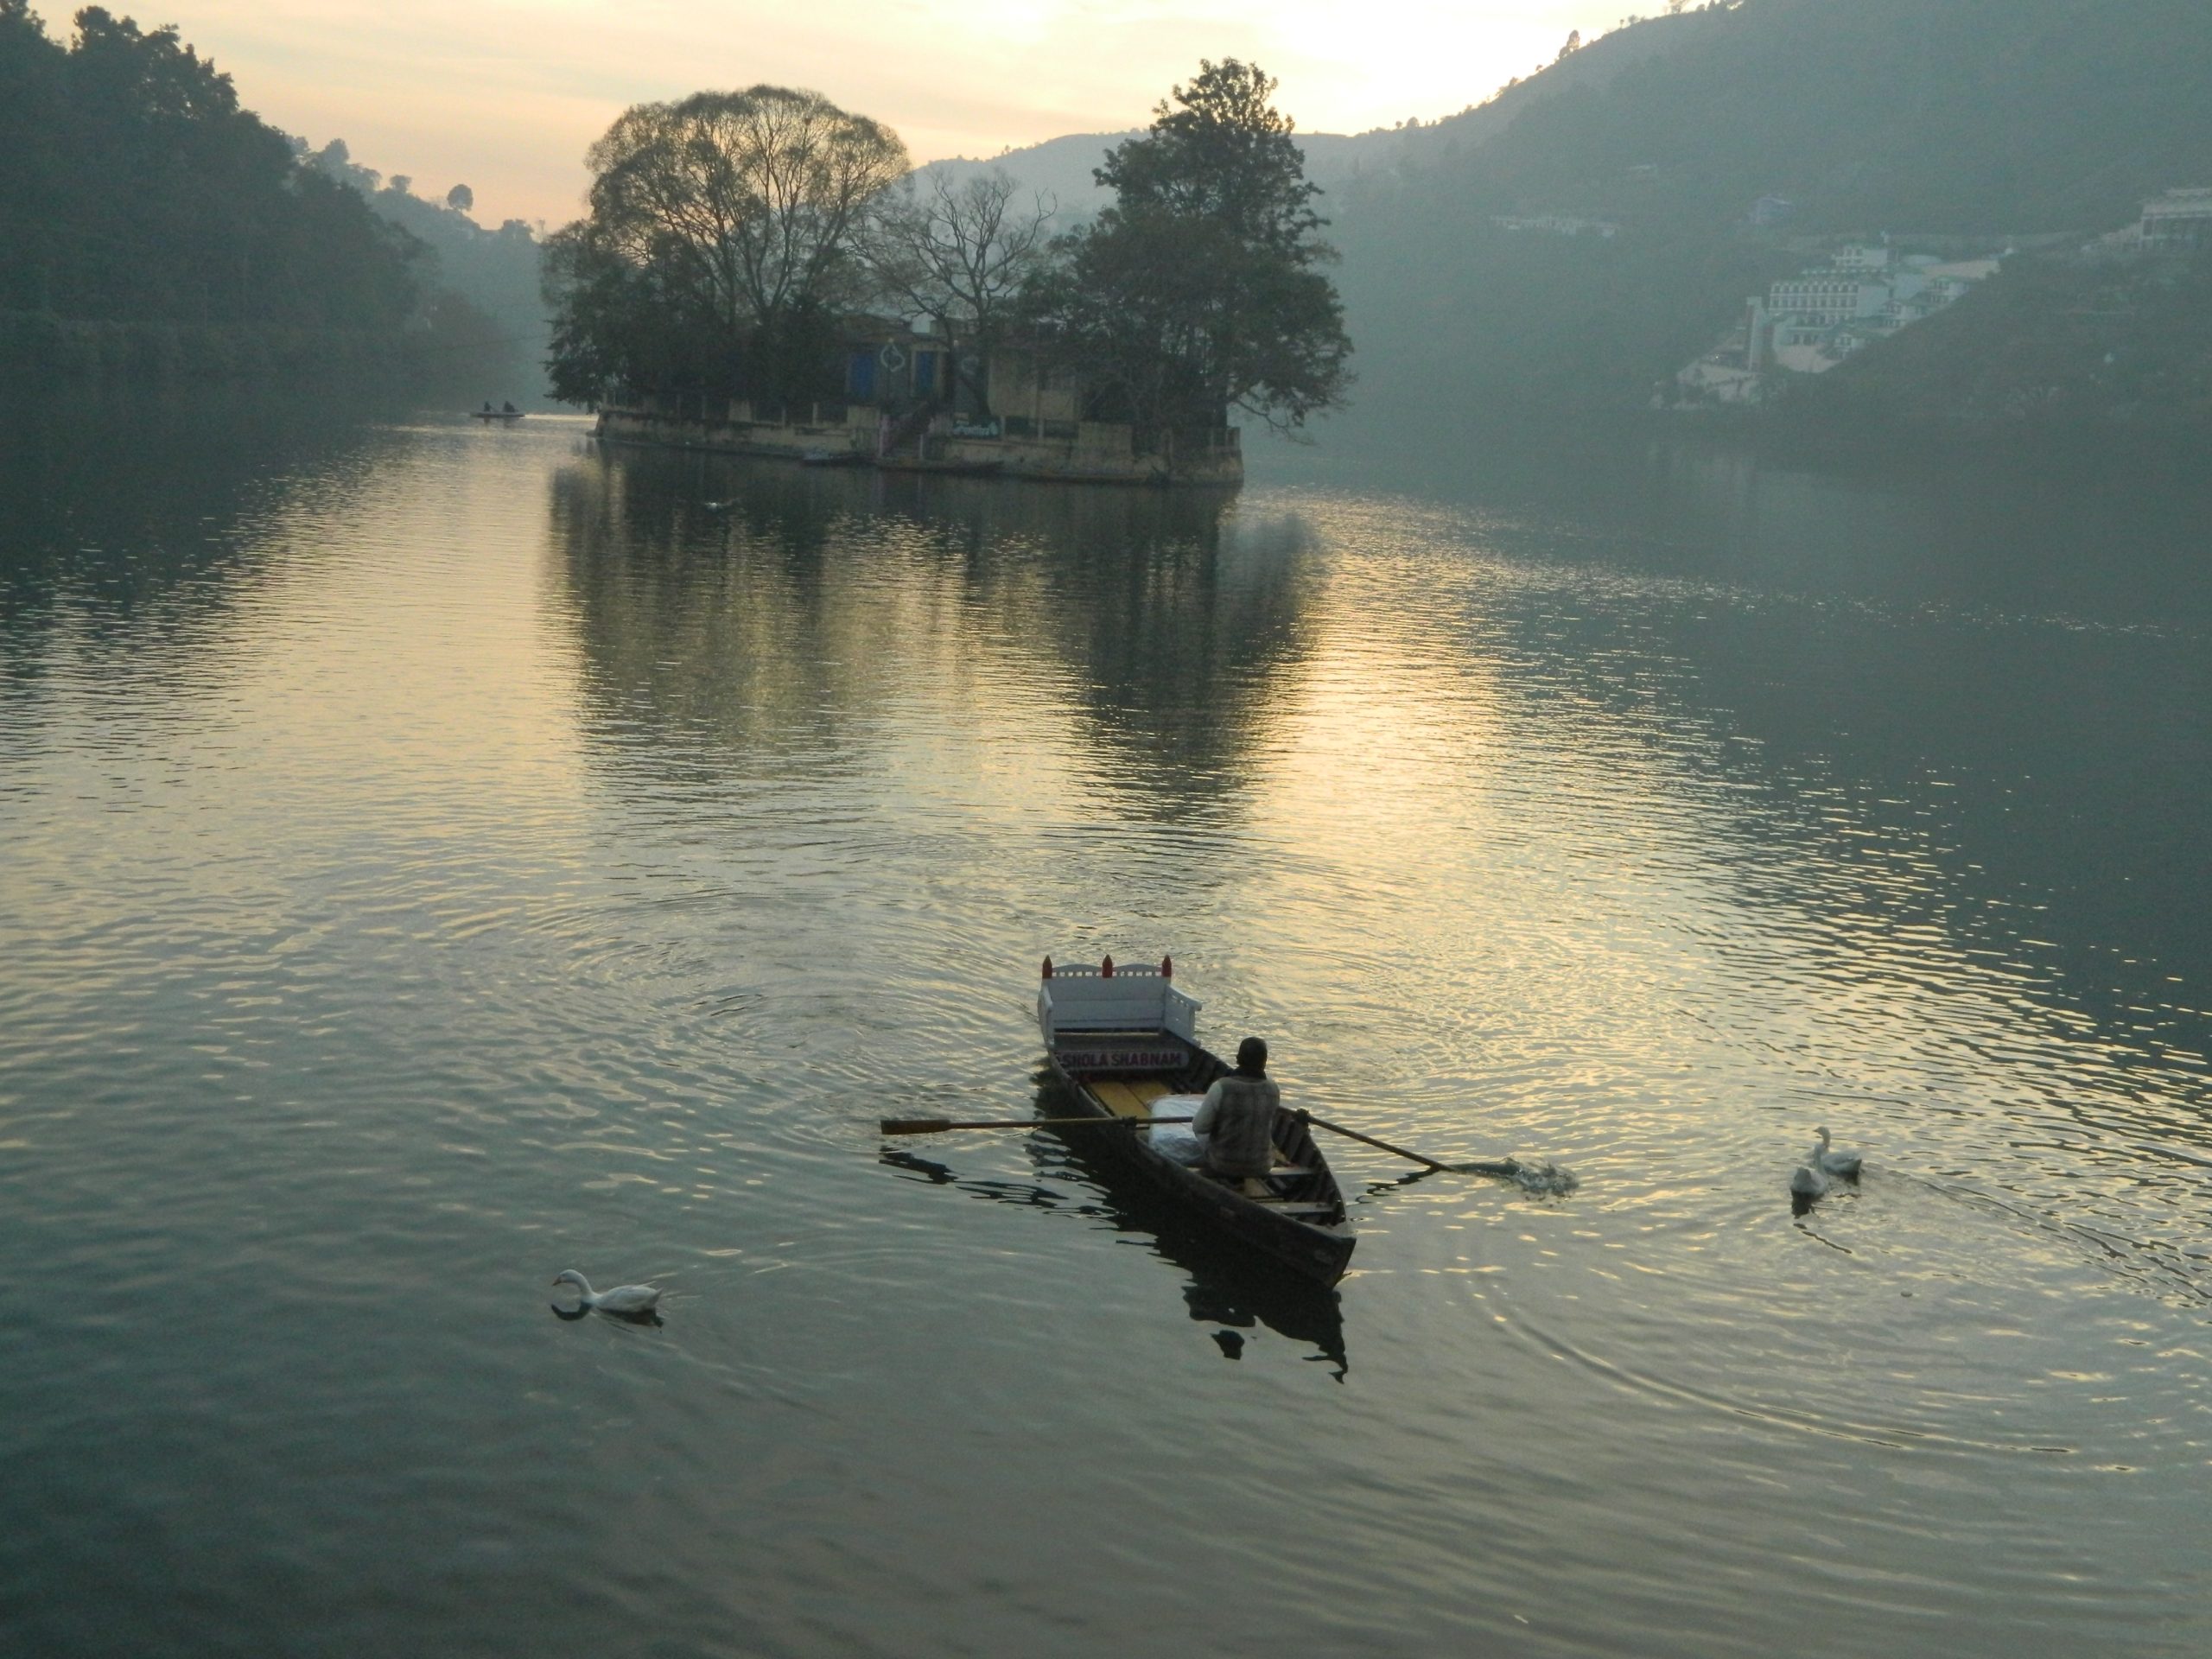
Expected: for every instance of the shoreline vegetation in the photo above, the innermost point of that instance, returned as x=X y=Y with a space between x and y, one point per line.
x=154 y=229
x=101 y=349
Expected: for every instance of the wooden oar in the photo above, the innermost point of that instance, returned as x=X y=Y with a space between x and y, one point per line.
x=938 y=1125
x=1507 y=1167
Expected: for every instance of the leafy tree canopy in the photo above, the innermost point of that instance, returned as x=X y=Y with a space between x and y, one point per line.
x=1199 y=290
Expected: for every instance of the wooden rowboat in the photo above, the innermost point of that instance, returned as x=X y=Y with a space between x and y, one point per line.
x=1121 y=1041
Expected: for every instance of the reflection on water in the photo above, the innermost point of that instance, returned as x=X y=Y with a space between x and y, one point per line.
x=134 y=527
x=437 y=857
x=812 y=600
x=1222 y=1287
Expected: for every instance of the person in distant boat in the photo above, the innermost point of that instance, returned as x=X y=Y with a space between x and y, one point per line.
x=1237 y=1117
x=504 y=409
x=487 y=405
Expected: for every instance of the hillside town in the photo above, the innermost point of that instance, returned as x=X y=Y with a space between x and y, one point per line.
x=1807 y=323
x=1862 y=292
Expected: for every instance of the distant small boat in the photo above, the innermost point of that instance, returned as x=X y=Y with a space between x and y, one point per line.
x=509 y=414
x=831 y=457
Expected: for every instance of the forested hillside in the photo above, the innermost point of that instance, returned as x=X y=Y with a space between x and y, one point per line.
x=487 y=281
x=1994 y=118
x=150 y=223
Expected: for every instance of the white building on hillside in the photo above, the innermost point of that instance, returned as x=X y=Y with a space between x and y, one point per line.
x=1557 y=225
x=1862 y=257
x=2179 y=219
x=1828 y=297
x=1809 y=323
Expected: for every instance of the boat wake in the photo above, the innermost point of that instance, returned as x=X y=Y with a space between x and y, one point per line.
x=2176 y=1276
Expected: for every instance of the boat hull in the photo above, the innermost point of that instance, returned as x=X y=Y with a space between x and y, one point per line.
x=1319 y=1248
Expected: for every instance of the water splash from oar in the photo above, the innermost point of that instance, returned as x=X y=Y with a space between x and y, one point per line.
x=1542 y=1176
x=1538 y=1175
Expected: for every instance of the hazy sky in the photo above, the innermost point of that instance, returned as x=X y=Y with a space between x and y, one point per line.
x=504 y=95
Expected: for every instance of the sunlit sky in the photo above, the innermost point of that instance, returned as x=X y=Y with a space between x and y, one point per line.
x=504 y=95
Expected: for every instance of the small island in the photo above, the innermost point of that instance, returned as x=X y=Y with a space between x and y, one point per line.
x=761 y=274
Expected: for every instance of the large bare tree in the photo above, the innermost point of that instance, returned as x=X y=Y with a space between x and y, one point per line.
x=958 y=254
x=739 y=210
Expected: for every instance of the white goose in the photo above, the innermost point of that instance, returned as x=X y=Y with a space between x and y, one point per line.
x=629 y=1300
x=1806 y=1182
x=1829 y=1162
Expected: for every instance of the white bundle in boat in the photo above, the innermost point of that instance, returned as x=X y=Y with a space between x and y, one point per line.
x=1175 y=1142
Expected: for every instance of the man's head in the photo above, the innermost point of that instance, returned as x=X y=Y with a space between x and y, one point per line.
x=1252 y=1058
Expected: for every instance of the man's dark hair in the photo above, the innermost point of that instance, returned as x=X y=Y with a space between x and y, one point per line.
x=1252 y=1057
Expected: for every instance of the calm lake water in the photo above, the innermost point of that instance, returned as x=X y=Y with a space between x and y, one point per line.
x=435 y=857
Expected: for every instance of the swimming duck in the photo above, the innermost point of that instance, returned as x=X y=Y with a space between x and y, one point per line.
x=629 y=1300
x=1806 y=1182
x=1829 y=1162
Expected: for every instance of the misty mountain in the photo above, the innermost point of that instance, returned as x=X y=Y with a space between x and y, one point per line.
x=1062 y=168
x=486 y=280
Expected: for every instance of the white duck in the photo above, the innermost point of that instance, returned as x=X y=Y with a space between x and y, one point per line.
x=1806 y=1182
x=629 y=1300
x=1829 y=1162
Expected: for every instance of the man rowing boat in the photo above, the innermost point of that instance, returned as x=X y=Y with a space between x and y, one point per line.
x=1237 y=1119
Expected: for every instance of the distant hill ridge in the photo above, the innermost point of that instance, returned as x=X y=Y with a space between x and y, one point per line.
x=1062 y=168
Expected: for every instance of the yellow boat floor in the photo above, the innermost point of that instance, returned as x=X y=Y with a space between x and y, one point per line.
x=1131 y=1099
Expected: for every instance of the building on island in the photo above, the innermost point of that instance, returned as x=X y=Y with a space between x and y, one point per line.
x=914 y=403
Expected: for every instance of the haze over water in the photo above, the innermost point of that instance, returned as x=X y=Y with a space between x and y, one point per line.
x=435 y=857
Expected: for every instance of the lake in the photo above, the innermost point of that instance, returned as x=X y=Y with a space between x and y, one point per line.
x=436 y=857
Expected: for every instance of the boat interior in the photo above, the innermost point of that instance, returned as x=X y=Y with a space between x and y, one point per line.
x=1300 y=1184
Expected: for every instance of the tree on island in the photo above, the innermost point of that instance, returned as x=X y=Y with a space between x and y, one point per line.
x=720 y=248
x=1198 y=291
x=961 y=255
